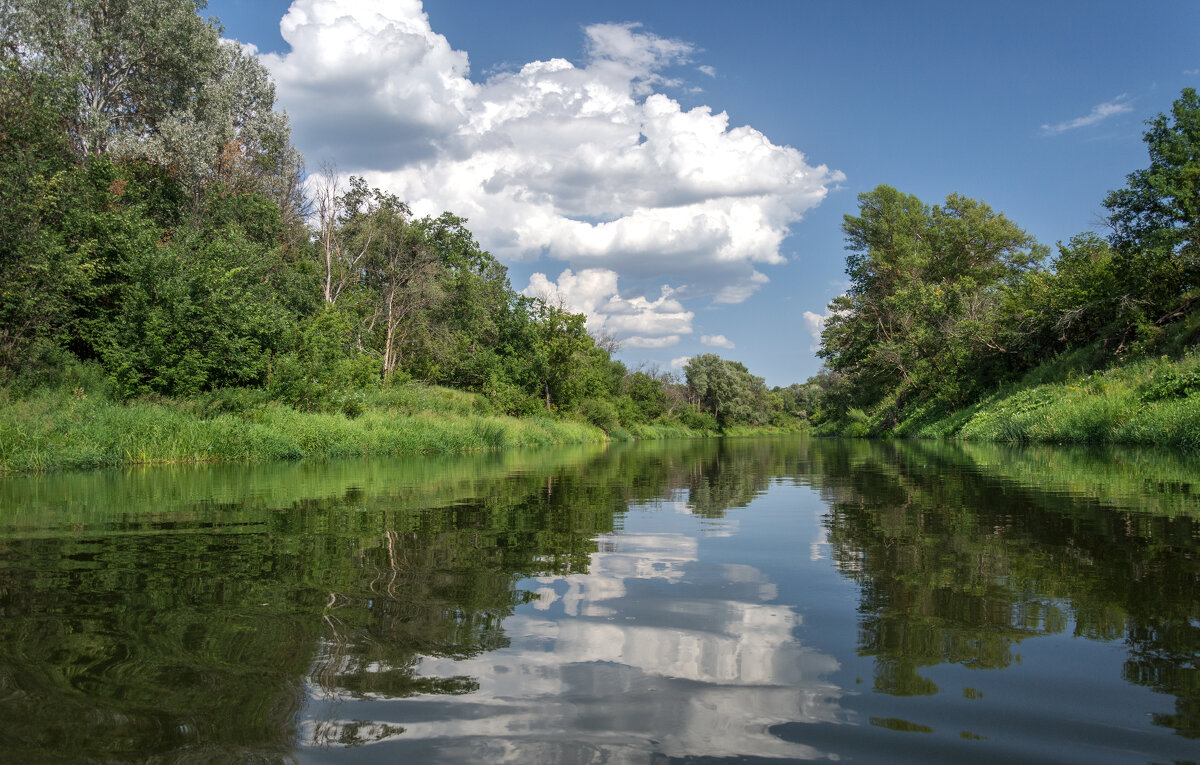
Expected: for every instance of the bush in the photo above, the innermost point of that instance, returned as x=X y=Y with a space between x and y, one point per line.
x=696 y=420
x=601 y=413
x=509 y=398
x=325 y=372
x=1171 y=382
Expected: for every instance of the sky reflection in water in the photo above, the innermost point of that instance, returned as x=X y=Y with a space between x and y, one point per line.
x=774 y=599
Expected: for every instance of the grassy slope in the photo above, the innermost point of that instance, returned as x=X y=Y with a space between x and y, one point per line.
x=1147 y=402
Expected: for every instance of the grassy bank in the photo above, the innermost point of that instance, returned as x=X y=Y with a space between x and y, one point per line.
x=1147 y=402
x=59 y=429
x=67 y=428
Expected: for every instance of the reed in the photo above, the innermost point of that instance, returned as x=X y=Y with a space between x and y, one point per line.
x=59 y=429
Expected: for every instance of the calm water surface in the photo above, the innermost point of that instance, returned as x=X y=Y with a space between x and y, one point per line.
x=744 y=600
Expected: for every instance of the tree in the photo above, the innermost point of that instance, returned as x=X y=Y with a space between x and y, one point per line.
x=919 y=318
x=725 y=388
x=37 y=269
x=1156 y=217
x=560 y=345
x=347 y=228
x=131 y=62
x=468 y=320
x=400 y=272
x=152 y=80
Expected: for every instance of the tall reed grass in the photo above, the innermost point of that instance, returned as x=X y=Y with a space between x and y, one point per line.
x=57 y=429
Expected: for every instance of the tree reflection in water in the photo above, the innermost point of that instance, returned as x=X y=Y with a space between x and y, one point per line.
x=237 y=612
x=962 y=553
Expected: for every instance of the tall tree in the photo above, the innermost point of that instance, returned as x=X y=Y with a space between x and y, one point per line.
x=725 y=388
x=468 y=320
x=153 y=80
x=920 y=316
x=400 y=272
x=37 y=270
x=131 y=62
x=1156 y=217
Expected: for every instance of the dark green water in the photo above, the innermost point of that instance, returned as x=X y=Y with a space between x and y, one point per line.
x=747 y=600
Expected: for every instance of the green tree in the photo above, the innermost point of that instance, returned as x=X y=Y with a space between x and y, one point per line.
x=725 y=388
x=132 y=63
x=152 y=80
x=194 y=314
x=466 y=324
x=648 y=393
x=559 y=353
x=1156 y=219
x=919 y=320
x=1071 y=304
x=38 y=272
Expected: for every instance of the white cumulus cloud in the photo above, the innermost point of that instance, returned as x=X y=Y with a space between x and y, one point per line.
x=589 y=163
x=1118 y=105
x=637 y=321
x=680 y=362
x=716 y=341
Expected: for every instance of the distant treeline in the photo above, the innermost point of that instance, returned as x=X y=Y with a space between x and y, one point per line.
x=950 y=304
x=158 y=225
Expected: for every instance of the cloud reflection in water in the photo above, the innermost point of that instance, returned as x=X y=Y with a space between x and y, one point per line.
x=651 y=651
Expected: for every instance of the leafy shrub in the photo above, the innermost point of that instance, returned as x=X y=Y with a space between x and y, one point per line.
x=1171 y=382
x=601 y=413
x=325 y=371
x=695 y=420
x=856 y=430
x=509 y=397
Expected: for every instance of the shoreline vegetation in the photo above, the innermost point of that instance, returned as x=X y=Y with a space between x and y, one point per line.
x=61 y=429
x=176 y=287
x=1138 y=402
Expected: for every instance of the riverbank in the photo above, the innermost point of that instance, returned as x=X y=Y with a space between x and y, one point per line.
x=1146 y=402
x=63 y=429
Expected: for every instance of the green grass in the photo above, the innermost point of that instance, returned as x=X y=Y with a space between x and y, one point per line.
x=77 y=425
x=58 y=429
x=1151 y=402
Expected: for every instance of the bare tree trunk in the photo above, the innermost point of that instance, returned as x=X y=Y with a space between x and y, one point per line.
x=389 y=343
x=327 y=214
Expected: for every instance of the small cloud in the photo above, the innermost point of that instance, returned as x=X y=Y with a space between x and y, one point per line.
x=1118 y=105
x=716 y=341
x=706 y=69
x=736 y=293
x=1191 y=72
x=680 y=362
x=815 y=323
x=650 y=342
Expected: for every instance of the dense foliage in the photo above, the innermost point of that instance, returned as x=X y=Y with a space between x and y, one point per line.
x=949 y=303
x=159 y=227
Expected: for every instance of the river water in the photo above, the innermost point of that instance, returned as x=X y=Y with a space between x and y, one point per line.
x=738 y=600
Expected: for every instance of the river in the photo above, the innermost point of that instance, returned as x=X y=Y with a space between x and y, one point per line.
x=738 y=600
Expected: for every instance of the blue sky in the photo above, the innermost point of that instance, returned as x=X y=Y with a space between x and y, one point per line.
x=617 y=166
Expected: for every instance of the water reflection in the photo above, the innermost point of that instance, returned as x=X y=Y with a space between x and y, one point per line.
x=608 y=605
x=963 y=554
x=650 y=651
